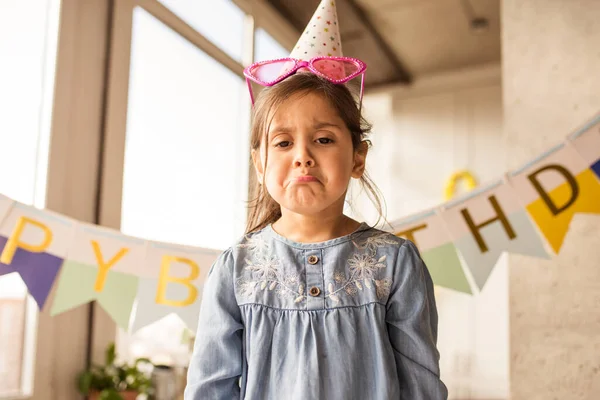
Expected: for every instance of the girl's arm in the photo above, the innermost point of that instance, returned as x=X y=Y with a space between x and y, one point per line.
x=412 y=325
x=216 y=365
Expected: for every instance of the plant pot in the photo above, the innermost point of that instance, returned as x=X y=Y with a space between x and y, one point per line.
x=128 y=395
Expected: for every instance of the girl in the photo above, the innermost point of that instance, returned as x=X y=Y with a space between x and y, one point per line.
x=311 y=304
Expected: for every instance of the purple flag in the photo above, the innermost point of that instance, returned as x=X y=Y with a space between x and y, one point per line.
x=38 y=271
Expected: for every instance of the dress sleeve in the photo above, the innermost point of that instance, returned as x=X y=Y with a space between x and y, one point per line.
x=412 y=326
x=216 y=364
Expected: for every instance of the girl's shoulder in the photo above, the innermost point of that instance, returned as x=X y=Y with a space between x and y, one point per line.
x=375 y=237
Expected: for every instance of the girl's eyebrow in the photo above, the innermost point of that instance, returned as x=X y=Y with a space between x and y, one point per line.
x=324 y=124
x=278 y=130
x=281 y=129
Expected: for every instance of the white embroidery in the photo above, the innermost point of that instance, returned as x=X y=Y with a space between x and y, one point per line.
x=266 y=274
x=255 y=243
x=379 y=240
x=265 y=266
x=363 y=268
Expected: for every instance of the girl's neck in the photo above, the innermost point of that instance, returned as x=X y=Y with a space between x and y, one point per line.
x=313 y=229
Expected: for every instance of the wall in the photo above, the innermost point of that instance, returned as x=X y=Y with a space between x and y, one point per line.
x=12 y=335
x=422 y=134
x=550 y=71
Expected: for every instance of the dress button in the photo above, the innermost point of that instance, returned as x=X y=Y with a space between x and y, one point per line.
x=313 y=260
x=314 y=291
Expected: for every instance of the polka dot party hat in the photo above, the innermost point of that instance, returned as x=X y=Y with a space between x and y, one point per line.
x=318 y=51
x=321 y=37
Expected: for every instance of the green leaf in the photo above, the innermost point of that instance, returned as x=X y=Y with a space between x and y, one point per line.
x=110 y=394
x=84 y=382
x=111 y=378
x=110 y=354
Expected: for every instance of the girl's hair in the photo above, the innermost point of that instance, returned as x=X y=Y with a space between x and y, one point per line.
x=263 y=209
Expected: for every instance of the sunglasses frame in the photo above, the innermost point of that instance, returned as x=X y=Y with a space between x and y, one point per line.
x=298 y=64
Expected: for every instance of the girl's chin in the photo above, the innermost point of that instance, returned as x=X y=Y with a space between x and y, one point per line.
x=306 y=201
x=306 y=206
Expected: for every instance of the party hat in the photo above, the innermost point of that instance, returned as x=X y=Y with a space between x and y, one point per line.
x=321 y=37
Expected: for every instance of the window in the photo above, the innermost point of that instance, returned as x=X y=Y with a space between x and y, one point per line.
x=266 y=47
x=28 y=34
x=185 y=166
x=220 y=21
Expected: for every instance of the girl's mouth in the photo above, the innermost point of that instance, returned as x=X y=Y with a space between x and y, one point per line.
x=306 y=178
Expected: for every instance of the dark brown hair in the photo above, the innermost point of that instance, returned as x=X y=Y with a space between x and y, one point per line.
x=263 y=209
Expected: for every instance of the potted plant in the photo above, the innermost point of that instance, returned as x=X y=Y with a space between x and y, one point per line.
x=113 y=381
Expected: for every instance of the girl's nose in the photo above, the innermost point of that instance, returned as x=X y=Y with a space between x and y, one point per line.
x=303 y=158
x=301 y=163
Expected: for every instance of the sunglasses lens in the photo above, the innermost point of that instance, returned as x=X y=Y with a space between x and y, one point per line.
x=270 y=71
x=336 y=69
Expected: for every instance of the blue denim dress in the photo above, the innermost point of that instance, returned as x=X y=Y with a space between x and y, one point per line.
x=350 y=318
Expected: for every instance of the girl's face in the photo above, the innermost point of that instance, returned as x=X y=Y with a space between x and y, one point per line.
x=310 y=157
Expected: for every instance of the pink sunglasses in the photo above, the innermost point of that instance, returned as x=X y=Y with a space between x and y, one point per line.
x=334 y=69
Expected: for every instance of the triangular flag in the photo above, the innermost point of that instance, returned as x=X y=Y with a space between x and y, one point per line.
x=487 y=222
x=33 y=243
x=426 y=230
x=555 y=187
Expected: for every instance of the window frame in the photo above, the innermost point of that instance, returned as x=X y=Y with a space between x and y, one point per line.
x=61 y=347
x=115 y=124
x=89 y=114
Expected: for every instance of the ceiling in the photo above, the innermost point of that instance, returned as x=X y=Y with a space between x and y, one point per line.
x=403 y=39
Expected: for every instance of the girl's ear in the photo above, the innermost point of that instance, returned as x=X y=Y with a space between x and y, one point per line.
x=258 y=167
x=360 y=159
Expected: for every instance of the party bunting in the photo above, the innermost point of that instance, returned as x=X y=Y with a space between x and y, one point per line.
x=426 y=230
x=139 y=282
x=555 y=187
x=33 y=243
x=587 y=144
x=488 y=222
x=172 y=282
x=104 y=266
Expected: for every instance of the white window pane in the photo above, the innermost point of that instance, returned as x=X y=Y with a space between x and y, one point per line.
x=266 y=47
x=186 y=157
x=184 y=153
x=220 y=21
x=28 y=33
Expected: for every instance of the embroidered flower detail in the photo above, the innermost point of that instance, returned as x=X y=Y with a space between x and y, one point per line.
x=351 y=290
x=265 y=266
x=267 y=276
x=246 y=288
x=383 y=287
x=339 y=276
x=332 y=293
x=375 y=241
x=365 y=266
x=255 y=243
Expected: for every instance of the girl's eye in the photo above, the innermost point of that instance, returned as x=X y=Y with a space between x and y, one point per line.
x=324 y=140
x=284 y=143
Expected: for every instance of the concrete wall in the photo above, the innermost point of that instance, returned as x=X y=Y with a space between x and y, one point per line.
x=551 y=85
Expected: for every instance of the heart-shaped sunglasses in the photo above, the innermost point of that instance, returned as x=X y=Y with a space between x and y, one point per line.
x=334 y=69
